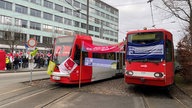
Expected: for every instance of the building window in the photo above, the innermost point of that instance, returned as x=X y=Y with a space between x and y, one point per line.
x=59 y=8
x=36 y=37
x=108 y=8
x=67 y=21
x=69 y=1
x=103 y=14
x=97 y=12
x=112 y=11
x=83 y=25
x=97 y=3
x=91 y=27
x=68 y=32
x=97 y=21
x=92 y=10
x=83 y=16
x=58 y=30
x=107 y=16
x=47 y=16
x=21 y=9
x=47 y=40
x=5 y=20
x=36 y=2
x=83 y=7
x=97 y=29
x=58 y=19
x=48 y=4
x=103 y=6
x=34 y=25
x=91 y=19
x=2 y=34
x=76 y=14
x=36 y=13
x=76 y=4
x=5 y=5
x=21 y=37
x=76 y=24
x=21 y=23
x=68 y=11
x=47 y=28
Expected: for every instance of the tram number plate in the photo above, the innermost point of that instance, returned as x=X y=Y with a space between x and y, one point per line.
x=56 y=78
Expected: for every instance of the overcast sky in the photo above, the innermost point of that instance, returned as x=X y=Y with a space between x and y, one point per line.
x=136 y=14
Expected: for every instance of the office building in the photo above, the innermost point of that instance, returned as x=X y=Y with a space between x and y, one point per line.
x=44 y=20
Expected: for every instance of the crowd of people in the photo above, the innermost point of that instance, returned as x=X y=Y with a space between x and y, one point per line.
x=23 y=62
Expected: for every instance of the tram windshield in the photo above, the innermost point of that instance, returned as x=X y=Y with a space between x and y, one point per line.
x=145 y=46
x=62 y=49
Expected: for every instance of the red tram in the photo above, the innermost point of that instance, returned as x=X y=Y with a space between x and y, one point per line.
x=149 y=57
x=84 y=66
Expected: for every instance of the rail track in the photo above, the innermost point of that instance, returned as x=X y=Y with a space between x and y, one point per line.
x=37 y=96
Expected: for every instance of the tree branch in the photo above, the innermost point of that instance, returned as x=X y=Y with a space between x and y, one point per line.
x=174 y=12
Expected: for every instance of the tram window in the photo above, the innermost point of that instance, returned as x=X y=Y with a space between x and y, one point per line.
x=84 y=54
x=110 y=56
x=77 y=54
x=168 y=50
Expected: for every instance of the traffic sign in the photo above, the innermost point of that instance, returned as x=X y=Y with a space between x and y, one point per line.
x=32 y=42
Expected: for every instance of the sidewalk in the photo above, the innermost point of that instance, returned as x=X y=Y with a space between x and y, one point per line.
x=23 y=70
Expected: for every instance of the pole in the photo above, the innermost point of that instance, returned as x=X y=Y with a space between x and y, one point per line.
x=153 y=25
x=101 y=30
x=87 y=29
x=81 y=61
x=30 y=65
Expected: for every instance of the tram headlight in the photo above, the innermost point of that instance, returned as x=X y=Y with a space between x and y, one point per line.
x=129 y=73
x=158 y=75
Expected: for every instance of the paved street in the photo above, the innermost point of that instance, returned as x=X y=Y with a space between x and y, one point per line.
x=111 y=93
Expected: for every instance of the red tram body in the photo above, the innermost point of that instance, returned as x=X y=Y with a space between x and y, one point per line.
x=70 y=47
x=149 y=58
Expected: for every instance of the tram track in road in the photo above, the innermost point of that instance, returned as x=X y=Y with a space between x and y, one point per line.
x=157 y=97
x=14 y=98
x=146 y=104
x=181 y=97
x=53 y=101
x=35 y=95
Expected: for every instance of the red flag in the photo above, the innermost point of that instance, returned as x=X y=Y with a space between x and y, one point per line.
x=102 y=49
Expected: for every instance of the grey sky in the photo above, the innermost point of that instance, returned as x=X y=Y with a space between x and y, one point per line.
x=136 y=14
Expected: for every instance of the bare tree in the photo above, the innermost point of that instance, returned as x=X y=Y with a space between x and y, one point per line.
x=182 y=9
x=12 y=37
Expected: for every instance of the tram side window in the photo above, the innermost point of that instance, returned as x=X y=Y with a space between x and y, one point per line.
x=110 y=56
x=78 y=54
x=169 y=53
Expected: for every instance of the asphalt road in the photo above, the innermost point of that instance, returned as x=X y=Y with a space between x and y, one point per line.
x=113 y=93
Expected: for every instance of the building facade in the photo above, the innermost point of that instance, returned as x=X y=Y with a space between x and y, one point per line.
x=44 y=20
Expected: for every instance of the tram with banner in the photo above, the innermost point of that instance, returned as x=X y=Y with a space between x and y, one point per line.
x=84 y=59
x=149 y=57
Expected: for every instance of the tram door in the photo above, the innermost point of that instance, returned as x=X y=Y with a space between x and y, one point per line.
x=120 y=62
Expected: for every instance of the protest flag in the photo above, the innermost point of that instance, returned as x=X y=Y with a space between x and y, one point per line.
x=50 y=67
x=34 y=52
